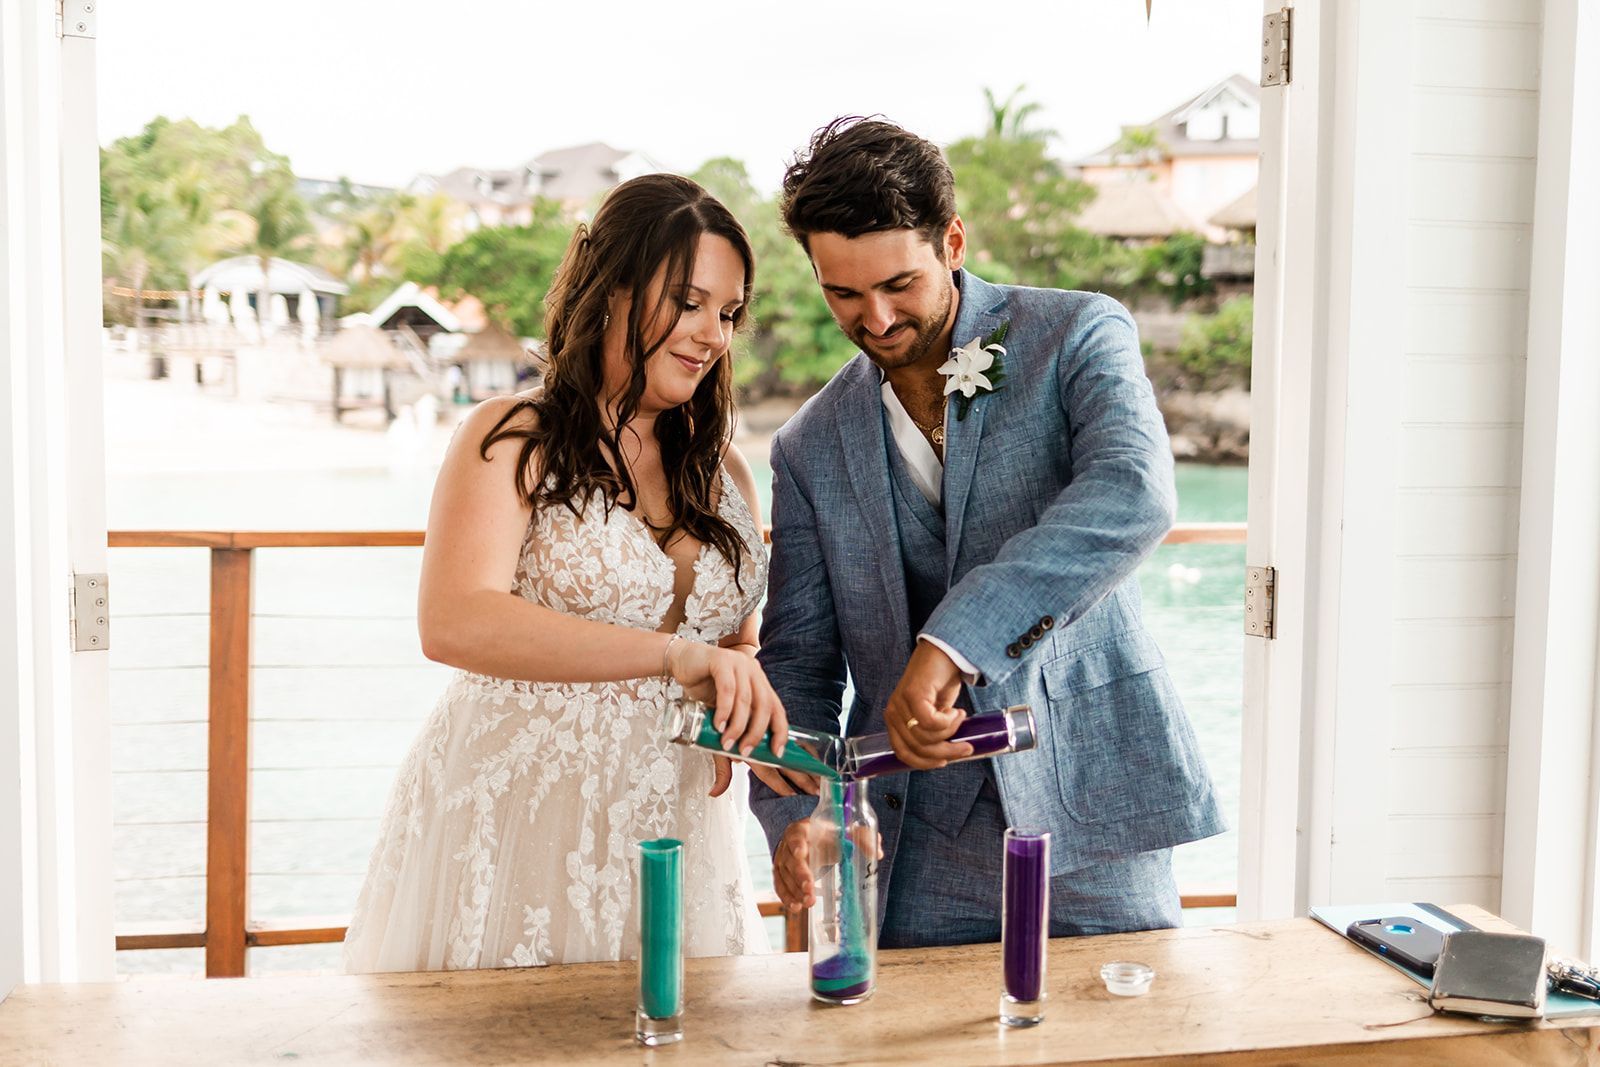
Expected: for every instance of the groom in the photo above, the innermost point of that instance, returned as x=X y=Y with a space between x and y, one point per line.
x=962 y=535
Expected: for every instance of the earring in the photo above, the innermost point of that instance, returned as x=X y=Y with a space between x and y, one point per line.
x=605 y=322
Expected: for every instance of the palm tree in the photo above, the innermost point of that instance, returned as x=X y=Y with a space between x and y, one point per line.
x=432 y=222
x=280 y=226
x=137 y=238
x=370 y=237
x=1139 y=144
x=1008 y=120
x=209 y=231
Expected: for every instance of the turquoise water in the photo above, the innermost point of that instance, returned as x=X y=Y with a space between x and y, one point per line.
x=340 y=687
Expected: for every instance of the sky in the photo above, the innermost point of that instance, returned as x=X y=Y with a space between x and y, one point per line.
x=380 y=91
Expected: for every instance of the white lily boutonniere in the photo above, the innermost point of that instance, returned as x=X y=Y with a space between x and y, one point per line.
x=978 y=364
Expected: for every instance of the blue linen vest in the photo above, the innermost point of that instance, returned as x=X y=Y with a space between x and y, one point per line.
x=941 y=798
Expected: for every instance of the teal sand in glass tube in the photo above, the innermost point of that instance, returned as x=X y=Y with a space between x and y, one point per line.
x=844 y=923
x=658 y=916
x=691 y=723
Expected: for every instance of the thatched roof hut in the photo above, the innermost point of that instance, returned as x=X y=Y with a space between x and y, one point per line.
x=1238 y=215
x=492 y=344
x=1136 y=210
x=362 y=348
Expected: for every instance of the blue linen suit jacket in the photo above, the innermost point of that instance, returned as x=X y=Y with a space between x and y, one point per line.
x=1056 y=486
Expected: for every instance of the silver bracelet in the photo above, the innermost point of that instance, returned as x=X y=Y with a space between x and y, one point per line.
x=666 y=655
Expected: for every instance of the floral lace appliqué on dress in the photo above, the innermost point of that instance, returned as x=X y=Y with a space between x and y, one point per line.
x=506 y=840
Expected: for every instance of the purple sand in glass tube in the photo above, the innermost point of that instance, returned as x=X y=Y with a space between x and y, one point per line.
x=1027 y=885
x=989 y=735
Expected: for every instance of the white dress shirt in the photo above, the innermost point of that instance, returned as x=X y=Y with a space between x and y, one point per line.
x=927 y=472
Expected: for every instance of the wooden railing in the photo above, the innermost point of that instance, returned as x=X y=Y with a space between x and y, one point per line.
x=228 y=930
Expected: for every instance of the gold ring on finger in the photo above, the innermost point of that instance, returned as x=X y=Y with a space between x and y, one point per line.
x=911 y=724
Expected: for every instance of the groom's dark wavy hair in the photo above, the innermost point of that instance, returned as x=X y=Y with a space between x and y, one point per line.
x=647 y=226
x=865 y=175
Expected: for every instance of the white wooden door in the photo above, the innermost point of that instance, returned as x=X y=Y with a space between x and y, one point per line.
x=1270 y=855
x=1324 y=433
x=55 y=781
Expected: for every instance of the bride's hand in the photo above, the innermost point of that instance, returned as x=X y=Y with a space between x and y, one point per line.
x=745 y=705
x=722 y=775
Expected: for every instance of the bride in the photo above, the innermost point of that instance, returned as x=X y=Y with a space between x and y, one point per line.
x=592 y=546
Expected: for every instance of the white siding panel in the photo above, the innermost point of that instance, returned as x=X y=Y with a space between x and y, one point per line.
x=1473 y=111
x=1464 y=189
x=1451 y=653
x=1455 y=588
x=1461 y=123
x=1461 y=456
x=1481 y=10
x=1446 y=322
x=1447 y=390
x=1468 y=256
x=1464 y=783
x=1429 y=716
x=1484 y=892
x=1445 y=847
x=1463 y=55
x=1467 y=522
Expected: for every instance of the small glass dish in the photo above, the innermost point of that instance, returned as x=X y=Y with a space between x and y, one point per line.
x=1127 y=979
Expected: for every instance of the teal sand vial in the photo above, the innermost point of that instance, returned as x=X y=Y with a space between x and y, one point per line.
x=658 y=916
x=844 y=920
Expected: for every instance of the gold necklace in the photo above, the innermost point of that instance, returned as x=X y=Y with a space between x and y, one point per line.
x=935 y=432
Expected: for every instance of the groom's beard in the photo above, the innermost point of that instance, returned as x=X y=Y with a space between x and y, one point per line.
x=927 y=333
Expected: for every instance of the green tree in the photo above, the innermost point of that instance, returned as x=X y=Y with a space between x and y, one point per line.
x=1018 y=204
x=1214 y=352
x=280 y=227
x=427 y=226
x=1009 y=118
x=1172 y=268
x=1139 y=144
x=139 y=238
x=794 y=344
x=177 y=195
x=507 y=268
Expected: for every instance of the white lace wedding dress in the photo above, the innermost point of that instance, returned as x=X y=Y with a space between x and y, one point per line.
x=506 y=840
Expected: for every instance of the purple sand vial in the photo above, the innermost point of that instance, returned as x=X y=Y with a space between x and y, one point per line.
x=1012 y=730
x=1025 y=924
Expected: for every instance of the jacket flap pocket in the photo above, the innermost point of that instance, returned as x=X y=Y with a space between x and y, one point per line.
x=1117 y=657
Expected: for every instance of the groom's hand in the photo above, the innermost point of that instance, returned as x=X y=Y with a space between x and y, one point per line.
x=803 y=844
x=791 y=867
x=921 y=713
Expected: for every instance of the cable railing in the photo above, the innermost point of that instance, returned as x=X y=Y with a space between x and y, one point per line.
x=228 y=930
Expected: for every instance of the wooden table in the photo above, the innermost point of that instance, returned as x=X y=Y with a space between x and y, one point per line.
x=1272 y=992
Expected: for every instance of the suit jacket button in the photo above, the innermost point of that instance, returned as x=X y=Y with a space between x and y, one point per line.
x=1014 y=651
x=892 y=800
x=1047 y=622
x=1026 y=641
x=1036 y=633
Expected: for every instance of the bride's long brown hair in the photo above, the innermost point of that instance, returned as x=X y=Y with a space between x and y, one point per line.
x=647 y=225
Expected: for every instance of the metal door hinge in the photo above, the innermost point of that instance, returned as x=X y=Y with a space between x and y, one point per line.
x=76 y=18
x=1260 y=593
x=1275 y=48
x=91 y=613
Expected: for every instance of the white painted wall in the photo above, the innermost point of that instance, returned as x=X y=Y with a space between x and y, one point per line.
x=1404 y=211
x=1473 y=100
x=1203 y=185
